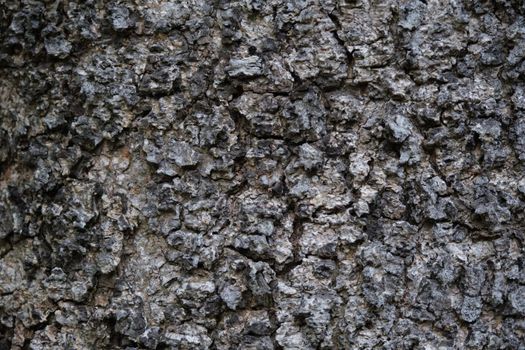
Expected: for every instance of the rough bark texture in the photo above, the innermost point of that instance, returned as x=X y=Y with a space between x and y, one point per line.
x=304 y=174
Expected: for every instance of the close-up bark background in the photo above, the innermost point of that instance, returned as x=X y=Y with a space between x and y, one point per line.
x=251 y=174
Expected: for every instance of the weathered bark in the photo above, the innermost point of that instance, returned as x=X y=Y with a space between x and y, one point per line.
x=306 y=174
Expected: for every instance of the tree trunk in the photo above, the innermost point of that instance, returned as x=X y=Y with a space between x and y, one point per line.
x=251 y=174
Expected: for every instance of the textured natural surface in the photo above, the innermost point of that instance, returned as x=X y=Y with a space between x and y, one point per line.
x=251 y=174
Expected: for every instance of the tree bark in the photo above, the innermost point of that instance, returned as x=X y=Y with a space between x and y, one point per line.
x=250 y=174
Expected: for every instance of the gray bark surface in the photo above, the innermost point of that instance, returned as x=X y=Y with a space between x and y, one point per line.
x=250 y=174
